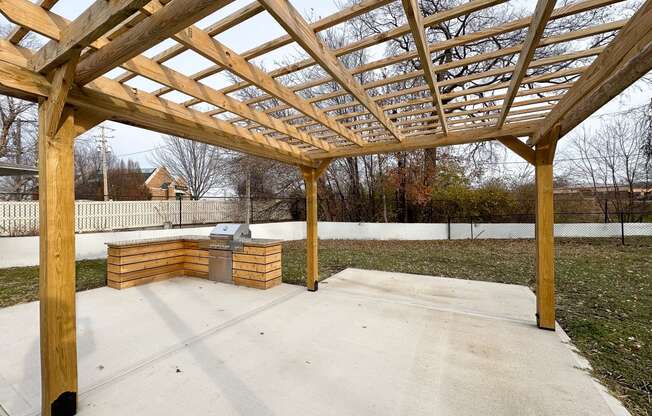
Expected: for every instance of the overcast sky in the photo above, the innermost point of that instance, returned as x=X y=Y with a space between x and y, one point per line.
x=138 y=144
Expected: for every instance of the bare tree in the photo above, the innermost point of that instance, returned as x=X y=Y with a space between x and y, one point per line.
x=18 y=134
x=200 y=165
x=612 y=160
x=18 y=145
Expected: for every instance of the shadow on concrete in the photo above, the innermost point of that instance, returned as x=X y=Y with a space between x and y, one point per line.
x=234 y=389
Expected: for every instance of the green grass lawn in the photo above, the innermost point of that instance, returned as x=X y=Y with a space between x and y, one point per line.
x=604 y=290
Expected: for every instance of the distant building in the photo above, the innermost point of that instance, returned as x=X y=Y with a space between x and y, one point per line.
x=162 y=185
x=640 y=191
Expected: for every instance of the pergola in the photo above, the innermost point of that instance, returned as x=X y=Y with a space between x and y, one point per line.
x=67 y=79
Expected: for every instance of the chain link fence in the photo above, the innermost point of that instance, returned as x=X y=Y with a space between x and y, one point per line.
x=567 y=225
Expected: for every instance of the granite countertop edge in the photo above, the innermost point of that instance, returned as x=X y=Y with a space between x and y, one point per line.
x=258 y=242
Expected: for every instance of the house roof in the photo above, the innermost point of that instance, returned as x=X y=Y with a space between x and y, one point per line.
x=13 y=169
x=147 y=173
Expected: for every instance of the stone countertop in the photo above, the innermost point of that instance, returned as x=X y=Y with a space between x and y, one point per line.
x=258 y=242
x=261 y=242
x=144 y=241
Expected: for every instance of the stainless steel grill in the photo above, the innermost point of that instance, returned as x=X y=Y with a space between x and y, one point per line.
x=224 y=240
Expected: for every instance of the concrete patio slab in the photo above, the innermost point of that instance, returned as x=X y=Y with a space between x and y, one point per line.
x=367 y=343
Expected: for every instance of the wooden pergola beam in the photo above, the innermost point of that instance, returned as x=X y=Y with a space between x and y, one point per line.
x=518 y=147
x=94 y=22
x=488 y=33
x=468 y=78
x=431 y=20
x=627 y=58
x=20 y=32
x=148 y=68
x=200 y=42
x=228 y=22
x=123 y=104
x=451 y=116
x=431 y=141
x=168 y=20
x=465 y=8
x=478 y=90
x=341 y=16
x=295 y=25
x=577 y=55
x=415 y=20
x=167 y=76
x=540 y=18
x=566 y=37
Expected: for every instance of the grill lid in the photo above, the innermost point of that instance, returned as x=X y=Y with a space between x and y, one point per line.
x=230 y=231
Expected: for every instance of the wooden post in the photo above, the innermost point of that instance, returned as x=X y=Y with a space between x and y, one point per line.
x=312 y=261
x=544 y=231
x=310 y=176
x=57 y=133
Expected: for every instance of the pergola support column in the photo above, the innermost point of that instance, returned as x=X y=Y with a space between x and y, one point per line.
x=310 y=177
x=57 y=133
x=544 y=231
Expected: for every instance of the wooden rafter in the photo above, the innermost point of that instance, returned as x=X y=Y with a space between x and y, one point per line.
x=213 y=30
x=118 y=34
x=121 y=103
x=433 y=140
x=20 y=32
x=351 y=12
x=559 y=13
x=168 y=20
x=415 y=20
x=293 y=23
x=94 y=22
x=539 y=20
x=197 y=40
x=566 y=37
x=148 y=68
x=431 y=20
x=626 y=59
x=468 y=78
x=450 y=115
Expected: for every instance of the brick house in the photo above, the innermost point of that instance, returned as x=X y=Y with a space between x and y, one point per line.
x=162 y=185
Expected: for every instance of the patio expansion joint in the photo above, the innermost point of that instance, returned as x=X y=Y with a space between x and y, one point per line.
x=464 y=312
x=187 y=342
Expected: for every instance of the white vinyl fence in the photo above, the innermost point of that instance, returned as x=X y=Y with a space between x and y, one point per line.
x=18 y=218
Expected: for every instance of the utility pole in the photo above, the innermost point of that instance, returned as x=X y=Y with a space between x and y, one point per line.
x=103 y=148
x=248 y=196
x=18 y=142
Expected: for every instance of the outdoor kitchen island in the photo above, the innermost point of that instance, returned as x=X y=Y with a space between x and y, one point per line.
x=239 y=260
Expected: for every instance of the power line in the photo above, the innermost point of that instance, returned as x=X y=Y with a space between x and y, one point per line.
x=142 y=151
